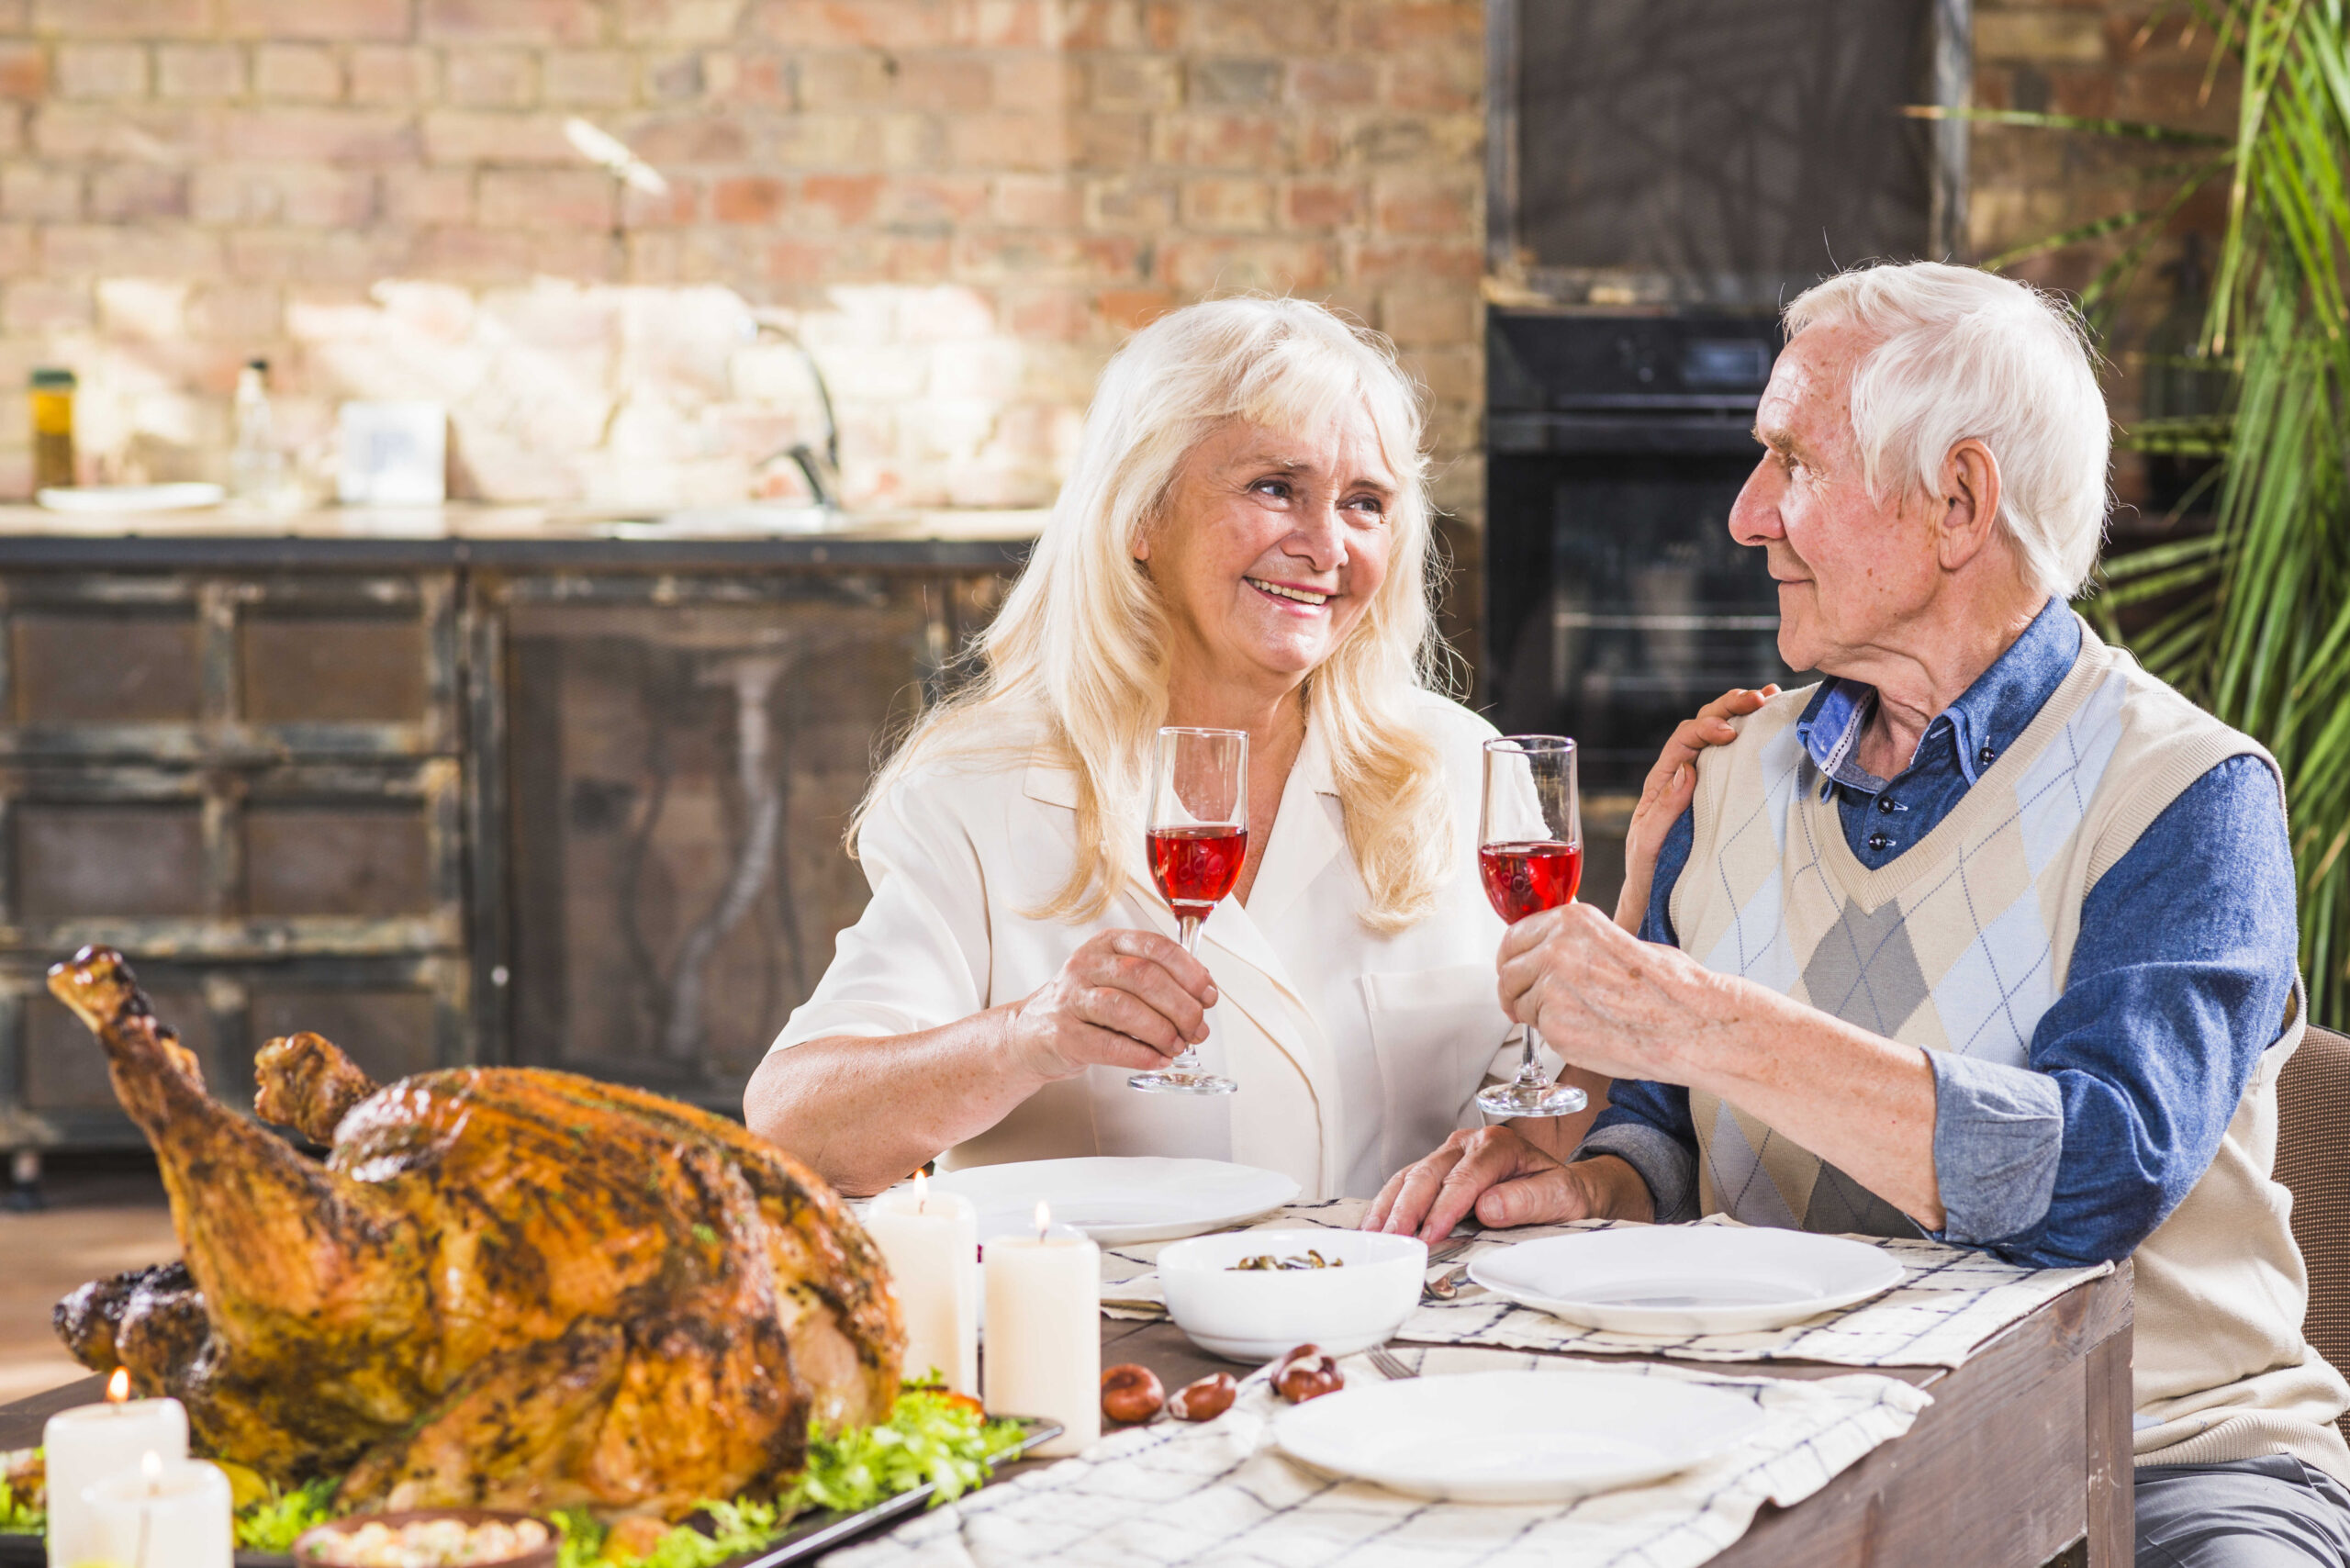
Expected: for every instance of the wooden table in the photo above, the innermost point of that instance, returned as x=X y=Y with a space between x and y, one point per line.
x=2021 y=1460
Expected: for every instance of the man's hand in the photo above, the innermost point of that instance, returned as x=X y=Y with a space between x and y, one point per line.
x=1123 y=999
x=1506 y=1180
x=1606 y=1001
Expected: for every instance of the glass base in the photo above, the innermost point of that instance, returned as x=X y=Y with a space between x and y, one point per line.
x=1531 y=1100
x=1174 y=1081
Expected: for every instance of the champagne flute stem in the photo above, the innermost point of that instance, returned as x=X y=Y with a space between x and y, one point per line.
x=1187 y=931
x=1529 y=1065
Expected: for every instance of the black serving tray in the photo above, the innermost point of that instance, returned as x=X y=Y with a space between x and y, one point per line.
x=810 y=1537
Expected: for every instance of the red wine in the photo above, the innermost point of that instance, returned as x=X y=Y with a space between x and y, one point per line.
x=1197 y=866
x=1526 y=878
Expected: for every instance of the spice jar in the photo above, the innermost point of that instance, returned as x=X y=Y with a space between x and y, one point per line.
x=52 y=399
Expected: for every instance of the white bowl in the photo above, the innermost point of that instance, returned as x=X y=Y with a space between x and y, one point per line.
x=1254 y=1315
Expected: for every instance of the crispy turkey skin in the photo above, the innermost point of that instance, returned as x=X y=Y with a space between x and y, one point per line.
x=505 y=1287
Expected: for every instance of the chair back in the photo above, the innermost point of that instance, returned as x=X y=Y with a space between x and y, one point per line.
x=2313 y=1133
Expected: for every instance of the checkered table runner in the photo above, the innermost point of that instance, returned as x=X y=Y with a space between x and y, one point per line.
x=1951 y=1302
x=1220 y=1493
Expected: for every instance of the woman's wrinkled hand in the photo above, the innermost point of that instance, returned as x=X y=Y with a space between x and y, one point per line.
x=1131 y=999
x=1667 y=791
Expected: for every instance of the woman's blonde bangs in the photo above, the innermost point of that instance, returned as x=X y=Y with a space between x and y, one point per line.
x=1072 y=672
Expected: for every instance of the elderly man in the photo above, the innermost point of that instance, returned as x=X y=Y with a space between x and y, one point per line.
x=1989 y=936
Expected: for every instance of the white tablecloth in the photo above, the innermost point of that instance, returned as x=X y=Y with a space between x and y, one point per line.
x=1951 y=1302
x=1219 y=1492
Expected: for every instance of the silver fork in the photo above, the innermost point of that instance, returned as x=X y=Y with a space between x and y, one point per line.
x=1449 y=1247
x=1390 y=1365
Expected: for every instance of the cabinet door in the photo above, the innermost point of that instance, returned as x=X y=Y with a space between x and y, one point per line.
x=393 y=1016
x=684 y=757
x=165 y=667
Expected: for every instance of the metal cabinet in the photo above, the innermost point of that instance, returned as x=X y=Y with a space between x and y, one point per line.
x=251 y=784
x=579 y=809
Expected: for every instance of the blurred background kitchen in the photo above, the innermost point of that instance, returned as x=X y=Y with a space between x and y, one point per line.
x=622 y=410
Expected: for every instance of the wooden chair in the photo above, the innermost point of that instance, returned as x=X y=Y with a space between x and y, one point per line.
x=2313 y=1127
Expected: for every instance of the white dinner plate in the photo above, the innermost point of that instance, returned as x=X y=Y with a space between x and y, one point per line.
x=182 y=496
x=1116 y=1201
x=1515 y=1437
x=1687 y=1279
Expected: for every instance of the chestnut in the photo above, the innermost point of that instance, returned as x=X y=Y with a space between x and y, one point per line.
x=1204 y=1400
x=1130 y=1394
x=1307 y=1373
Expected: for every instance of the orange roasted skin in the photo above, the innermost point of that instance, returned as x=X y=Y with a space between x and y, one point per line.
x=505 y=1287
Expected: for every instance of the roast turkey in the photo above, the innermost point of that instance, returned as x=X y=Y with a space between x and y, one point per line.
x=503 y=1286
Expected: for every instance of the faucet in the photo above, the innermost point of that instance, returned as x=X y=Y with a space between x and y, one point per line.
x=822 y=470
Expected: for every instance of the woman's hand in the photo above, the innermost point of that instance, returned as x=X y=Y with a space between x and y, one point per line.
x=1124 y=999
x=1671 y=785
x=1506 y=1180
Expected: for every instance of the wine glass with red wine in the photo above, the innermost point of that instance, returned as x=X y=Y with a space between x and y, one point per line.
x=1198 y=836
x=1529 y=851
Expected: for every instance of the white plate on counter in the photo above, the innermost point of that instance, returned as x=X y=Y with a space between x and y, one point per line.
x=1688 y=1279
x=186 y=495
x=1515 y=1437
x=1117 y=1201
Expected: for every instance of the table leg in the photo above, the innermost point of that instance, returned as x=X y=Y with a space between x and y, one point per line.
x=2112 y=1511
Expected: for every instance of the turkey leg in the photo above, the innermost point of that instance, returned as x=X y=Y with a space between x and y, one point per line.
x=282 y=1249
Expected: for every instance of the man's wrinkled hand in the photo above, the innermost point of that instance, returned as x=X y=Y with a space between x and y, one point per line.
x=1602 y=998
x=1495 y=1173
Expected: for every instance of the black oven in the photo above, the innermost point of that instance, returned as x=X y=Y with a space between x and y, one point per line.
x=1615 y=600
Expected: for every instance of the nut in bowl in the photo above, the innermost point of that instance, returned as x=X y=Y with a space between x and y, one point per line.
x=1256 y=1313
x=431 y=1538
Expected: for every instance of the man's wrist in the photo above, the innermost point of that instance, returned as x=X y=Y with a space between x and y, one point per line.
x=1616 y=1189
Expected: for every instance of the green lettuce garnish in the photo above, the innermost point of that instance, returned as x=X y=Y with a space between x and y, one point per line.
x=930 y=1438
x=273 y=1523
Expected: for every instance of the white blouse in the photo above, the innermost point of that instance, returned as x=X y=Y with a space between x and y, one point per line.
x=1355 y=1053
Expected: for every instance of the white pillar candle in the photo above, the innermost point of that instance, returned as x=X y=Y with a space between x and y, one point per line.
x=175 y=1514
x=91 y=1442
x=1044 y=1314
x=931 y=1241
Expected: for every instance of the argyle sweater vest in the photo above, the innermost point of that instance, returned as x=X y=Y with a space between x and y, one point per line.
x=1960 y=944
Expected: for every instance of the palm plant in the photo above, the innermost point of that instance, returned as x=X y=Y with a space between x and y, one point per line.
x=2252 y=619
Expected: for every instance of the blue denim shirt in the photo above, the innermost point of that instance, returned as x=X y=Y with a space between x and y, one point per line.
x=2179 y=979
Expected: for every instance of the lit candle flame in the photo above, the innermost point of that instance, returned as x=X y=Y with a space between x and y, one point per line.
x=922 y=1192
x=151 y=1470
x=119 y=1385
x=1043 y=1219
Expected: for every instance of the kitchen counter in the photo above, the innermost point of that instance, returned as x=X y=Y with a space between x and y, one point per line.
x=521 y=537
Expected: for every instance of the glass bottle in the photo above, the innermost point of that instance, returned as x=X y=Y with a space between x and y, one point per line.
x=52 y=399
x=256 y=467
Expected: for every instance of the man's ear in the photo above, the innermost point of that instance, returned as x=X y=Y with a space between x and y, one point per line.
x=1968 y=503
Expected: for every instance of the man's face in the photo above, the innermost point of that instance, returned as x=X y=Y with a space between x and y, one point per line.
x=1850 y=569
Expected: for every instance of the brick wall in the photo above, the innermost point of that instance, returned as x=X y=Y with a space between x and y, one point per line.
x=960 y=206
x=2130 y=60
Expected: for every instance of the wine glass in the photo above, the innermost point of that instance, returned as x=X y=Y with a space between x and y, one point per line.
x=1198 y=836
x=1529 y=852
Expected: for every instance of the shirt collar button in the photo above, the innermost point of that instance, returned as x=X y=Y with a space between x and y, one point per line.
x=1985 y=757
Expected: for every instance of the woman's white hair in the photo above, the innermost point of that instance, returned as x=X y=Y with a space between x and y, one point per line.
x=1073 y=671
x=1964 y=352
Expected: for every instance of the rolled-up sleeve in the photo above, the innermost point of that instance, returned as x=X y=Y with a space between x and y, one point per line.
x=2179 y=980
x=918 y=957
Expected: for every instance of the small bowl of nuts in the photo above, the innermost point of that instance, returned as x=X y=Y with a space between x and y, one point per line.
x=1249 y=1295
x=431 y=1538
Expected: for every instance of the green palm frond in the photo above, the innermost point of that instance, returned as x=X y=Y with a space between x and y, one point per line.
x=2253 y=620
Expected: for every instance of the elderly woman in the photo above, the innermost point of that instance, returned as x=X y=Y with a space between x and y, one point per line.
x=1988 y=937
x=1243 y=545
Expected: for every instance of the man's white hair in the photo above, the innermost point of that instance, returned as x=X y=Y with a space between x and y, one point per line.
x=1961 y=353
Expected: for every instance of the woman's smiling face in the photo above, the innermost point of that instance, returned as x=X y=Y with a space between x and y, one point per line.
x=1271 y=548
